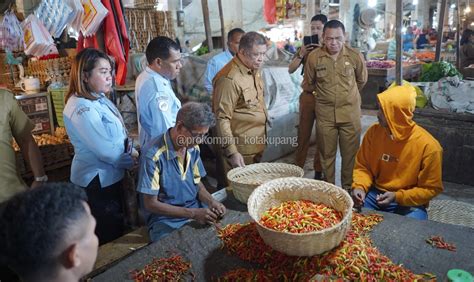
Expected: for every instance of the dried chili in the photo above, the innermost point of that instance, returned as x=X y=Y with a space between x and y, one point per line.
x=354 y=259
x=300 y=216
x=165 y=269
x=440 y=243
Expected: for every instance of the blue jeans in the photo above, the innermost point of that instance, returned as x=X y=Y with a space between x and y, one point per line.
x=158 y=230
x=418 y=212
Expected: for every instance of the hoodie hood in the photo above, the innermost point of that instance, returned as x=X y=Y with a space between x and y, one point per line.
x=398 y=104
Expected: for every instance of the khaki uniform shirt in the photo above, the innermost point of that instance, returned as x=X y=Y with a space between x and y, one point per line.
x=239 y=106
x=335 y=83
x=13 y=123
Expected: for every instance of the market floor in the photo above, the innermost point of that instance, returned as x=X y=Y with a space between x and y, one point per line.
x=452 y=191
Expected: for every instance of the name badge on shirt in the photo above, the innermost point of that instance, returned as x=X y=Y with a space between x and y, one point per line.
x=163 y=103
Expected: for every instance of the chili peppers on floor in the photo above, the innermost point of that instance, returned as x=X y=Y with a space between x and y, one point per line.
x=164 y=269
x=354 y=259
x=438 y=242
x=300 y=216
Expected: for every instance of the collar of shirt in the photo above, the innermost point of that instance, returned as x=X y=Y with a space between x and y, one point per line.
x=228 y=54
x=243 y=68
x=158 y=78
x=170 y=151
x=343 y=52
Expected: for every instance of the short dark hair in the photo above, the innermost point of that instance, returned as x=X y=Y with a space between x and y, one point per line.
x=194 y=114
x=251 y=39
x=35 y=223
x=234 y=31
x=159 y=47
x=334 y=24
x=322 y=18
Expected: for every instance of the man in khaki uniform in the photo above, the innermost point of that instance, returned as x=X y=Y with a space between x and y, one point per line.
x=15 y=124
x=334 y=74
x=239 y=106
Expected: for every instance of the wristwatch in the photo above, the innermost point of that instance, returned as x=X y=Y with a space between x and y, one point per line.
x=43 y=178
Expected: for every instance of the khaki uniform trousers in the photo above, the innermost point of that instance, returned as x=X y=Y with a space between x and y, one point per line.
x=225 y=165
x=348 y=136
x=305 y=127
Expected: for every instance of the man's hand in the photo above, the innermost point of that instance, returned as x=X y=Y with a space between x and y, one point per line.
x=236 y=160
x=358 y=195
x=205 y=215
x=305 y=49
x=385 y=199
x=218 y=208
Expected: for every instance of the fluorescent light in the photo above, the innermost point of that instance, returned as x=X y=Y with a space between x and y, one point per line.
x=453 y=6
x=372 y=3
x=415 y=2
x=377 y=18
x=472 y=23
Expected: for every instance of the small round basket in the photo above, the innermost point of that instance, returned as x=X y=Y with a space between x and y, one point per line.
x=243 y=180
x=274 y=192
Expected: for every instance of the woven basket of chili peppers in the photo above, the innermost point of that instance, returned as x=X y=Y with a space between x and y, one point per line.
x=273 y=193
x=243 y=180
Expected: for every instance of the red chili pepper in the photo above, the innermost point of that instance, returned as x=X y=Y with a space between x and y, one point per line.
x=438 y=242
x=165 y=269
x=354 y=259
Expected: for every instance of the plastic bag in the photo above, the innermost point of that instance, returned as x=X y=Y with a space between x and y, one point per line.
x=55 y=15
x=11 y=33
x=94 y=14
x=77 y=14
x=38 y=42
x=421 y=99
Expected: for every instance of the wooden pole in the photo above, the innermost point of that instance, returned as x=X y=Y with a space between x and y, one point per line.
x=440 y=30
x=207 y=24
x=398 y=40
x=223 y=35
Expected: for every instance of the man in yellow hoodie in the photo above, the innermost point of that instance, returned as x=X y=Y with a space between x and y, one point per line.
x=398 y=166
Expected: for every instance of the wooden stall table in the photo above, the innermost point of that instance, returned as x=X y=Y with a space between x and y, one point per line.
x=402 y=239
x=380 y=79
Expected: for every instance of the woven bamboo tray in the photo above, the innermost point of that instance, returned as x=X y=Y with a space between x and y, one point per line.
x=243 y=180
x=452 y=212
x=274 y=192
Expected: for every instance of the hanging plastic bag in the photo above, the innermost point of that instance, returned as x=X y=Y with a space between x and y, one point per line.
x=77 y=14
x=11 y=34
x=37 y=40
x=55 y=16
x=94 y=14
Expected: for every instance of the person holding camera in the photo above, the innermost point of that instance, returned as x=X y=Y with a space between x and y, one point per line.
x=307 y=114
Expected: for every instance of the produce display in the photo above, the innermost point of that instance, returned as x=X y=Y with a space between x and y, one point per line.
x=376 y=64
x=425 y=56
x=300 y=217
x=165 y=269
x=355 y=259
x=435 y=71
x=59 y=137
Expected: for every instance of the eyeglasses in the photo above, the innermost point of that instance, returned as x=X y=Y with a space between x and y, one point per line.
x=198 y=136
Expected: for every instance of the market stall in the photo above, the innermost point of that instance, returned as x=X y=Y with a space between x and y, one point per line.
x=402 y=239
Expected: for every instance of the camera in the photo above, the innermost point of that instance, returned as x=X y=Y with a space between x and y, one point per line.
x=313 y=39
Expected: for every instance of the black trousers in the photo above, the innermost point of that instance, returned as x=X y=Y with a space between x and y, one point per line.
x=107 y=206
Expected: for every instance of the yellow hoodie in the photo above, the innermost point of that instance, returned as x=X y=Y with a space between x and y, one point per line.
x=404 y=158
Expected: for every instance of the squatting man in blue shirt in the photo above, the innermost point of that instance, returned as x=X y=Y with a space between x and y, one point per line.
x=170 y=175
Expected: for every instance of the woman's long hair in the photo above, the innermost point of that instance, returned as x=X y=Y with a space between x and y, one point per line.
x=84 y=62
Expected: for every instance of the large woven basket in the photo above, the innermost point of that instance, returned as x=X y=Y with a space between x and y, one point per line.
x=243 y=180
x=274 y=192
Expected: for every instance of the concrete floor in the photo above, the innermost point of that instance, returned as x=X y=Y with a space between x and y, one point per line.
x=452 y=191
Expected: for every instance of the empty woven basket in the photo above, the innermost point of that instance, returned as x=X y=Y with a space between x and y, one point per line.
x=453 y=212
x=244 y=180
x=274 y=192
